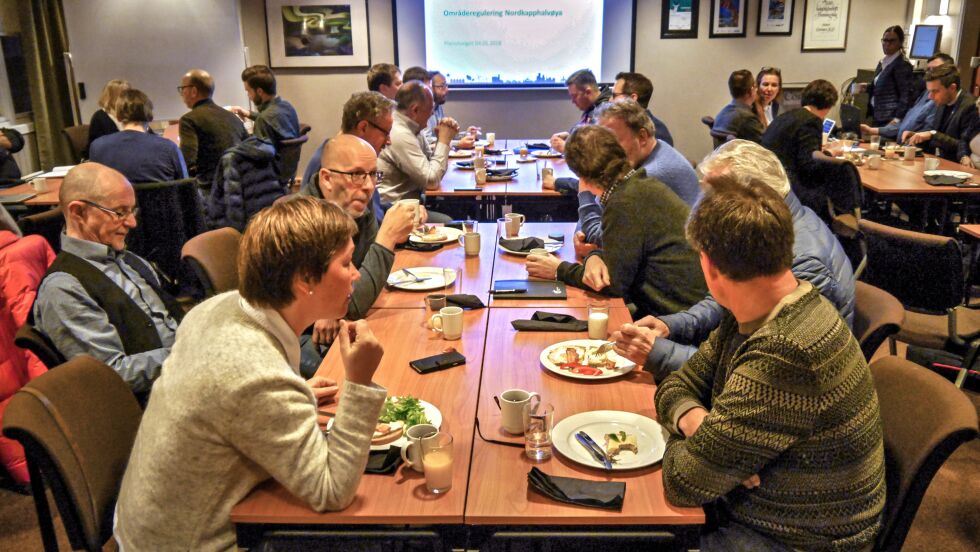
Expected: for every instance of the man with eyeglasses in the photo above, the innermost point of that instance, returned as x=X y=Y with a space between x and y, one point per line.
x=97 y=298
x=207 y=130
x=347 y=177
x=440 y=93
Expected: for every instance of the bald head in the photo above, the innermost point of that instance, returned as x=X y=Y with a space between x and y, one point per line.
x=347 y=173
x=345 y=149
x=89 y=181
x=415 y=101
x=196 y=85
x=98 y=204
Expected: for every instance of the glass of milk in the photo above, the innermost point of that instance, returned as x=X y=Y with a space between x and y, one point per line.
x=599 y=320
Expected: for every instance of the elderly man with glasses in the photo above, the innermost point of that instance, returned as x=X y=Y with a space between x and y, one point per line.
x=97 y=298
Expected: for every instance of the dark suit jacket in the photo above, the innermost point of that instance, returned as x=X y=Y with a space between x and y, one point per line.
x=100 y=125
x=793 y=137
x=954 y=134
x=892 y=94
x=206 y=131
x=739 y=120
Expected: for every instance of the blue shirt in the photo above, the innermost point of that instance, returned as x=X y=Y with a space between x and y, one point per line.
x=77 y=325
x=276 y=121
x=919 y=117
x=140 y=156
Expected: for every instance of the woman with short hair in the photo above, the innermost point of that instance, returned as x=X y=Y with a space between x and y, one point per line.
x=230 y=410
x=104 y=120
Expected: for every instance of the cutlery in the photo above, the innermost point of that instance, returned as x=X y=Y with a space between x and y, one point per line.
x=597 y=453
x=417 y=279
x=600 y=350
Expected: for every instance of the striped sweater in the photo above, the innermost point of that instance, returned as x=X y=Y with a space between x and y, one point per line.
x=794 y=403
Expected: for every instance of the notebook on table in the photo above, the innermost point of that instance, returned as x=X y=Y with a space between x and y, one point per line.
x=528 y=289
x=15 y=198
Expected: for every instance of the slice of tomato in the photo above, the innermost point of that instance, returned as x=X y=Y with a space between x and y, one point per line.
x=580 y=369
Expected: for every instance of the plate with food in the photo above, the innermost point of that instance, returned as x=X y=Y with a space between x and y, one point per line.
x=549 y=244
x=435 y=234
x=461 y=153
x=546 y=154
x=629 y=440
x=397 y=415
x=420 y=278
x=946 y=178
x=578 y=359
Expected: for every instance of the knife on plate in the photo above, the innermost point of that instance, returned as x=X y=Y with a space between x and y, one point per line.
x=597 y=453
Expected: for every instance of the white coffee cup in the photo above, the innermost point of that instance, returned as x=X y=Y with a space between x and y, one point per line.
x=932 y=163
x=539 y=252
x=511 y=403
x=514 y=223
x=416 y=217
x=874 y=162
x=909 y=153
x=40 y=185
x=480 y=174
x=471 y=243
x=491 y=139
x=479 y=162
x=449 y=322
x=412 y=452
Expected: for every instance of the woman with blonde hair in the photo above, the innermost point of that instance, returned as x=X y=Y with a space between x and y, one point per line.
x=104 y=120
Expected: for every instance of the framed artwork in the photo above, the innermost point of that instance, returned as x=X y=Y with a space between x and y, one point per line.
x=679 y=19
x=825 y=25
x=728 y=18
x=775 y=18
x=317 y=33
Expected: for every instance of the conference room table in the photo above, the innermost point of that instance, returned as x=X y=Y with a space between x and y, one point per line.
x=43 y=199
x=898 y=177
x=490 y=499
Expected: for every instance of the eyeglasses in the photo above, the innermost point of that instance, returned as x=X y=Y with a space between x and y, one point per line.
x=359 y=178
x=387 y=133
x=120 y=214
x=180 y=89
x=440 y=86
x=889 y=40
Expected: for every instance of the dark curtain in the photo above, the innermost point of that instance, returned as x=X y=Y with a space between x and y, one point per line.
x=45 y=38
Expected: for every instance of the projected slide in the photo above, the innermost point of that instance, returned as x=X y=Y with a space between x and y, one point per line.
x=512 y=42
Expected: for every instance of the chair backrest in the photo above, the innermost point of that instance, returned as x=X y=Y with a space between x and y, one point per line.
x=78 y=140
x=170 y=214
x=923 y=271
x=708 y=121
x=28 y=337
x=842 y=182
x=924 y=418
x=213 y=256
x=289 y=151
x=719 y=137
x=47 y=224
x=877 y=315
x=77 y=425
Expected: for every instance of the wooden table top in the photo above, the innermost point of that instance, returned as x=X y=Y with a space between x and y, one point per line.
x=498 y=491
x=527 y=183
x=972 y=230
x=900 y=177
x=172 y=133
x=46 y=199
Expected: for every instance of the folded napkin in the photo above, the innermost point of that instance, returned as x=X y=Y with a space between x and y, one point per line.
x=464 y=300
x=417 y=246
x=502 y=172
x=608 y=495
x=384 y=461
x=521 y=244
x=536 y=146
x=542 y=321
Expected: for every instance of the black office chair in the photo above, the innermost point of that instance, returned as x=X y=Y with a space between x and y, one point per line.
x=170 y=214
x=47 y=224
x=289 y=151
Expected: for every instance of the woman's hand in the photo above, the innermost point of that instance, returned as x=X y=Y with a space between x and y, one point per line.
x=360 y=351
x=324 y=389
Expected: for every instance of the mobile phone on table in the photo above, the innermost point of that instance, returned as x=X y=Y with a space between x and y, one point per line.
x=437 y=362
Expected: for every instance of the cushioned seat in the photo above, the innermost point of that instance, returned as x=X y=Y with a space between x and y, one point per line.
x=877 y=315
x=926 y=330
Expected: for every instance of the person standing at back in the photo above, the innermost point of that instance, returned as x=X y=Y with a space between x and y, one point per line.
x=207 y=130
x=890 y=91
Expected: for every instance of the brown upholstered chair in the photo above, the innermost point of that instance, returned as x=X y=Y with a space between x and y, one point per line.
x=78 y=140
x=213 y=256
x=77 y=425
x=28 y=337
x=289 y=151
x=924 y=419
x=925 y=272
x=877 y=316
x=47 y=224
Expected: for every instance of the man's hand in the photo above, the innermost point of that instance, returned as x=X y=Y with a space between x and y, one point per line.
x=866 y=129
x=325 y=331
x=834 y=148
x=582 y=248
x=396 y=226
x=466 y=142
x=324 y=389
x=752 y=482
x=240 y=111
x=634 y=343
x=691 y=420
x=655 y=324
x=918 y=137
x=542 y=266
x=596 y=273
x=558 y=141
x=967 y=162
x=360 y=351
x=447 y=129
x=474 y=131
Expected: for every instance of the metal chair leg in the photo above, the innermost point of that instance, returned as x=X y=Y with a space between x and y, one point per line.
x=45 y=523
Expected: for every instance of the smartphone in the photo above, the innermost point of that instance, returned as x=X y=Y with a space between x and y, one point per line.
x=437 y=362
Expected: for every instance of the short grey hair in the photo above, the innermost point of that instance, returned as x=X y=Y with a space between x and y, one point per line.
x=746 y=161
x=364 y=106
x=583 y=78
x=630 y=113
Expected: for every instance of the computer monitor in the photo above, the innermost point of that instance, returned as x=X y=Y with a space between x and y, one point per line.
x=925 y=41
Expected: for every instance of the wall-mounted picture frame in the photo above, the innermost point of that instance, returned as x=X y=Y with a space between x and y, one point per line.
x=679 y=19
x=318 y=33
x=728 y=18
x=775 y=18
x=825 y=25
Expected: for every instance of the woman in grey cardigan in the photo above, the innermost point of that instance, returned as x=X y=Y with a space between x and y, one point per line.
x=230 y=409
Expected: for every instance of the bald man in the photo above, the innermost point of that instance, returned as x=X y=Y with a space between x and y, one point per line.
x=97 y=298
x=208 y=129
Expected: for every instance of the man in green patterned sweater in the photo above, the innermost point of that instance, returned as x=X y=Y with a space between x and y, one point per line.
x=774 y=419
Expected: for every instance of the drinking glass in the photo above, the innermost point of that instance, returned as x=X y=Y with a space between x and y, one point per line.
x=470 y=226
x=435 y=301
x=598 y=320
x=437 y=462
x=874 y=143
x=451 y=277
x=538 y=421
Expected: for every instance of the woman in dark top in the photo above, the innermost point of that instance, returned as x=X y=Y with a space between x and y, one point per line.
x=890 y=91
x=104 y=120
x=645 y=259
x=769 y=85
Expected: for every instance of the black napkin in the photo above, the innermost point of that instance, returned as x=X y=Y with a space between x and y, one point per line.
x=542 y=321
x=419 y=246
x=608 y=495
x=537 y=146
x=464 y=300
x=384 y=461
x=521 y=244
x=502 y=172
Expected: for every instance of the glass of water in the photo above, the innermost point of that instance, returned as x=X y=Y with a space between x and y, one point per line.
x=538 y=422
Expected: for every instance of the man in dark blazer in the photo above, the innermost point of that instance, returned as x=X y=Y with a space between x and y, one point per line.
x=794 y=136
x=956 y=116
x=208 y=129
x=737 y=117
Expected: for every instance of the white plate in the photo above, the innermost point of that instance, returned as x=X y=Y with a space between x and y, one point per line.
x=549 y=244
x=461 y=153
x=954 y=174
x=529 y=159
x=436 y=280
x=431 y=412
x=651 y=438
x=549 y=154
x=452 y=234
x=623 y=366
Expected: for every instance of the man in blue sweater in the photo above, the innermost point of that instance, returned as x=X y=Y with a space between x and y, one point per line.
x=663 y=345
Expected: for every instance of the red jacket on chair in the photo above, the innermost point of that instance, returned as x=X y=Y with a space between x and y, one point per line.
x=23 y=261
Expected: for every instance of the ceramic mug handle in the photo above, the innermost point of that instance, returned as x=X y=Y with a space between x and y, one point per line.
x=404 y=453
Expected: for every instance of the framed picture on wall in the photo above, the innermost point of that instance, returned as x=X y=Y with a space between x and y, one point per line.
x=728 y=18
x=775 y=18
x=825 y=25
x=317 y=33
x=679 y=19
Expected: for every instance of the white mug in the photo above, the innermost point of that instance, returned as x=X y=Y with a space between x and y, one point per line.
x=450 y=322
x=909 y=153
x=416 y=217
x=539 y=252
x=511 y=403
x=874 y=162
x=40 y=185
x=491 y=139
x=412 y=451
x=932 y=163
x=514 y=223
x=471 y=243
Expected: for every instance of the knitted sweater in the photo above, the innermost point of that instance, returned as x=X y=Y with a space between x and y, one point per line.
x=794 y=403
x=228 y=412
